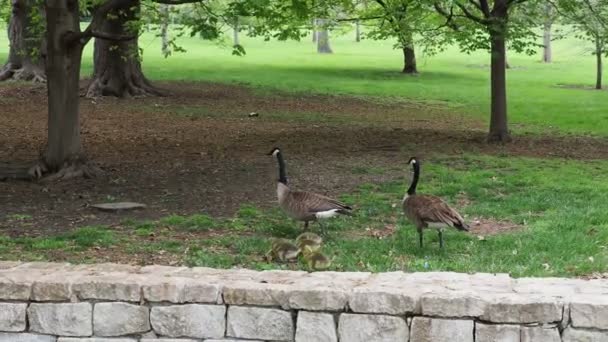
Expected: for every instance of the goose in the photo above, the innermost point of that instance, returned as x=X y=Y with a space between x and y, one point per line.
x=303 y=205
x=429 y=211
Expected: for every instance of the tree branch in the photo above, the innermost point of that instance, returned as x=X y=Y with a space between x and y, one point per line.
x=471 y=16
x=176 y=2
x=109 y=36
x=448 y=16
x=485 y=8
x=360 y=18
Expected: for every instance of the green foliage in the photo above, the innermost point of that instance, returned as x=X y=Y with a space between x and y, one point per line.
x=473 y=27
x=410 y=22
x=92 y=236
x=590 y=18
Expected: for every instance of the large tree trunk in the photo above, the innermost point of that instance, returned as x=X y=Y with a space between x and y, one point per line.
x=357 y=31
x=598 y=62
x=323 y=37
x=409 y=60
x=27 y=43
x=547 y=55
x=63 y=75
x=164 y=29
x=117 y=69
x=499 y=131
x=314 y=30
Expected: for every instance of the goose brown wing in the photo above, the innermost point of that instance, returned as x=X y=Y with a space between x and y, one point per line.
x=434 y=209
x=315 y=202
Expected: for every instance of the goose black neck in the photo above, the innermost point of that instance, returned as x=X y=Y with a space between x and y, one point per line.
x=282 y=174
x=412 y=189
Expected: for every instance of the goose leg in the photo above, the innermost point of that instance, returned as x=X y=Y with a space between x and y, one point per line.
x=305 y=225
x=440 y=238
x=323 y=231
x=420 y=236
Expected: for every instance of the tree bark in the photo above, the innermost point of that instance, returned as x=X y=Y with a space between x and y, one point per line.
x=499 y=131
x=314 y=30
x=409 y=60
x=598 y=62
x=547 y=55
x=63 y=75
x=27 y=44
x=235 y=32
x=117 y=69
x=357 y=31
x=164 y=29
x=323 y=37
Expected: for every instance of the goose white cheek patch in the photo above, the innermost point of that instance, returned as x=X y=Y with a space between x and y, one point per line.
x=275 y=153
x=327 y=214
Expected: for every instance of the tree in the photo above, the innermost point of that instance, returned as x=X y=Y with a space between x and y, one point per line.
x=590 y=18
x=27 y=44
x=404 y=20
x=117 y=67
x=486 y=24
x=550 y=15
x=323 y=36
x=164 y=29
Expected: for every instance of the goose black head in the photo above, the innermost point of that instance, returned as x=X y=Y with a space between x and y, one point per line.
x=274 y=151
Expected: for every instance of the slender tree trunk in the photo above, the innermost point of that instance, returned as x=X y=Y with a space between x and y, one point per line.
x=323 y=37
x=598 y=62
x=547 y=55
x=314 y=30
x=63 y=75
x=499 y=131
x=357 y=31
x=27 y=43
x=164 y=29
x=409 y=60
x=235 y=32
x=117 y=68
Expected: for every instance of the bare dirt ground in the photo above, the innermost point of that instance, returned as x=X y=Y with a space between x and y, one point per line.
x=198 y=151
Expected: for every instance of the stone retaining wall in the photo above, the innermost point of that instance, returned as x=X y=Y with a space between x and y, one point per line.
x=50 y=302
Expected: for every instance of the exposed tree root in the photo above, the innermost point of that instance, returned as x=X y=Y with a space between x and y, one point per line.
x=499 y=138
x=73 y=168
x=28 y=72
x=136 y=86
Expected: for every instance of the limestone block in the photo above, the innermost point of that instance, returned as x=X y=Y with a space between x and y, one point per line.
x=260 y=323
x=372 y=328
x=12 y=316
x=523 y=309
x=453 y=304
x=384 y=300
x=61 y=319
x=540 y=334
x=26 y=337
x=189 y=320
x=315 y=327
x=426 y=329
x=578 y=335
x=117 y=319
x=589 y=311
x=496 y=333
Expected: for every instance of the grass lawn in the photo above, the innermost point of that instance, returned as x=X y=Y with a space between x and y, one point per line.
x=557 y=210
x=370 y=68
x=548 y=216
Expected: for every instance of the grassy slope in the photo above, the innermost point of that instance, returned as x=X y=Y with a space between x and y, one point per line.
x=371 y=69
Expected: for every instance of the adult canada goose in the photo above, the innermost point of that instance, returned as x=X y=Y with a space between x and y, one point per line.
x=302 y=205
x=429 y=211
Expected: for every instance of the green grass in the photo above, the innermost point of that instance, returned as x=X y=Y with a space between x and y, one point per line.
x=560 y=205
x=370 y=69
x=561 y=208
